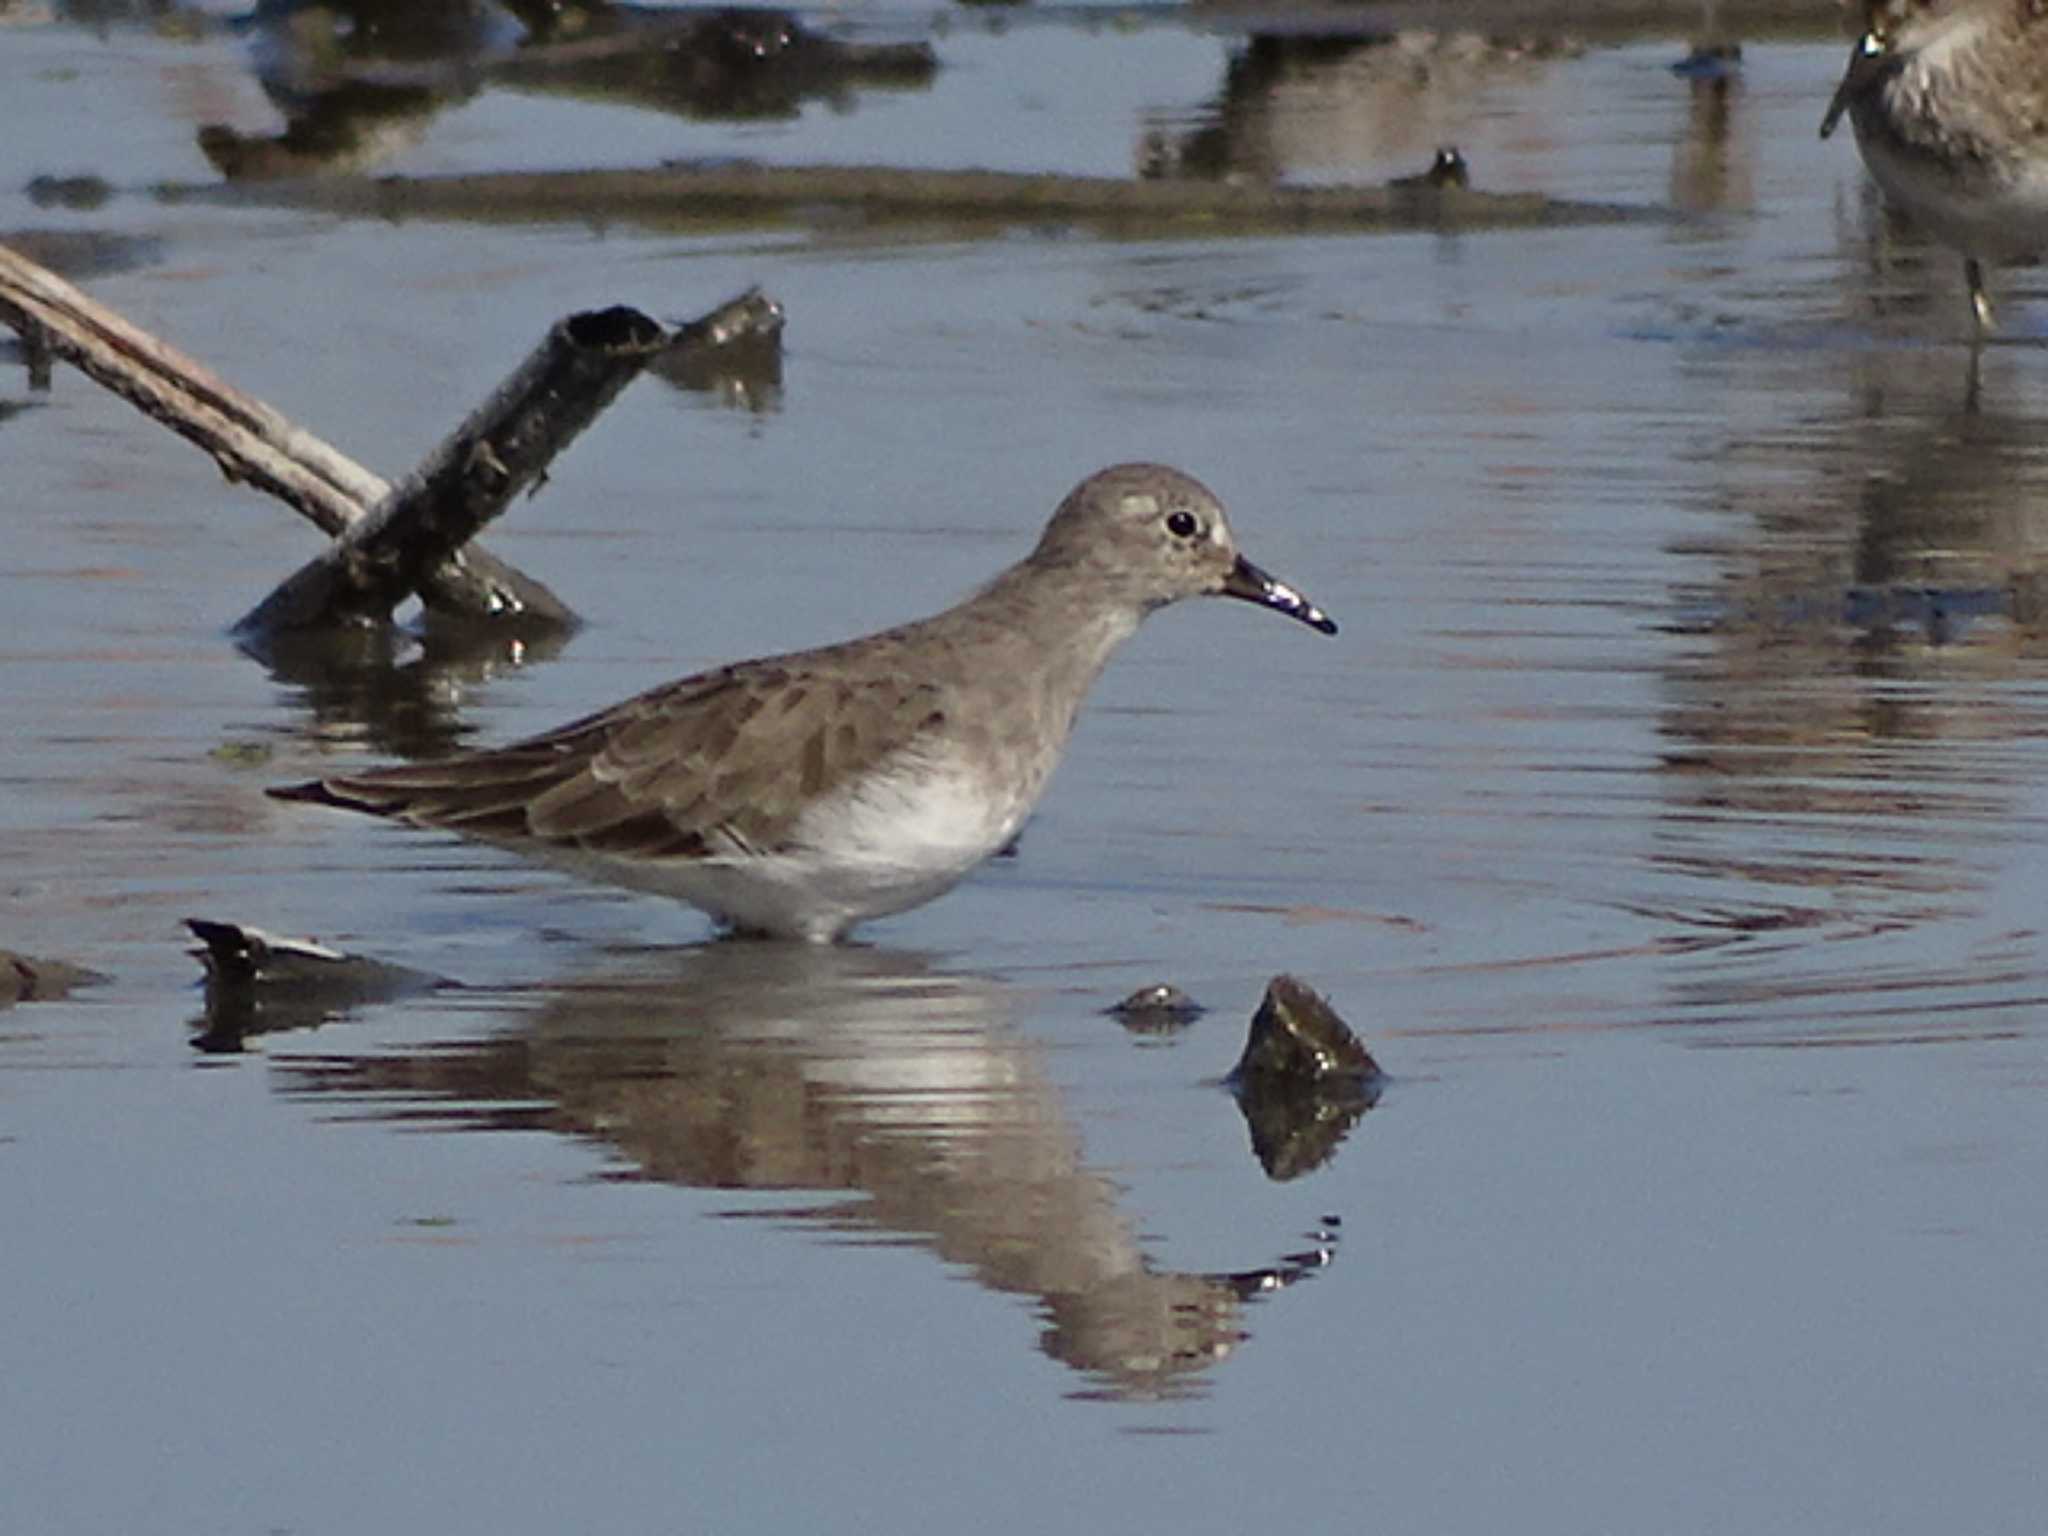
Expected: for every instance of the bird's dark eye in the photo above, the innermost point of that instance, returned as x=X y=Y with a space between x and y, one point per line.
x=1183 y=525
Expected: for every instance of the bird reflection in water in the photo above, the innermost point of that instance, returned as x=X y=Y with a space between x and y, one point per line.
x=772 y=1067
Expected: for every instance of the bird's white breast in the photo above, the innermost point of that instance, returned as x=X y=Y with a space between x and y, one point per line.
x=922 y=820
x=883 y=843
x=1995 y=208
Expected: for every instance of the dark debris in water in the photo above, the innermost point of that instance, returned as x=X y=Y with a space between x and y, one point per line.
x=29 y=979
x=79 y=193
x=259 y=982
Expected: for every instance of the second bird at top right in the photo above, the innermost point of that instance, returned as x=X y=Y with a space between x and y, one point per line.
x=1949 y=99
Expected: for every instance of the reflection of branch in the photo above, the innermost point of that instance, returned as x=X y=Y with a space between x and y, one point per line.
x=348 y=128
x=353 y=92
x=409 y=708
x=768 y=1067
x=727 y=63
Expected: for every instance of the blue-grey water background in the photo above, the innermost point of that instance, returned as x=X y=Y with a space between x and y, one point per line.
x=1668 y=815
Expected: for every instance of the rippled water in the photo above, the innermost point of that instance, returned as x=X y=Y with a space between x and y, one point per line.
x=1687 y=719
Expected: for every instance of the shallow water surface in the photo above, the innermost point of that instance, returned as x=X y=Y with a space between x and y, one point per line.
x=1668 y=815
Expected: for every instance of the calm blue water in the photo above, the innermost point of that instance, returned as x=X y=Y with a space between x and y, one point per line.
x=1668 y=816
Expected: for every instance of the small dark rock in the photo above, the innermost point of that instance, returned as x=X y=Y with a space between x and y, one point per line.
x=1303 y=1081
x=1296 y=1037
x=1156 y=1009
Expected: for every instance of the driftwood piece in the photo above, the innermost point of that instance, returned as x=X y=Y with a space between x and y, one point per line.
x=735 y=352
x=251 y=443
x=259 y=982
x=506 y=443
x=750 y=320
x=697 y=194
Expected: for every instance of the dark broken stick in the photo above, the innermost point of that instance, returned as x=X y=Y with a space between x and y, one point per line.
x=423 y=523
x=251 y=443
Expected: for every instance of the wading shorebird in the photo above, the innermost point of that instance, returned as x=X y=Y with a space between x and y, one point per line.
x=1949 y=100
x=795 y=796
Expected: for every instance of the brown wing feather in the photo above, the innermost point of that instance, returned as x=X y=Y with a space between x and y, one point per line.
x=725 y=759
x=2015 y=75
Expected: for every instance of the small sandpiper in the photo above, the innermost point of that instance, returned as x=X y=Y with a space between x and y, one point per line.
x=1949 y=99
x=794 y=796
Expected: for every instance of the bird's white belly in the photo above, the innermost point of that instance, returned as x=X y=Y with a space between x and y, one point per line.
x=884 y=844
x=1994 y=213
x=1994 y=220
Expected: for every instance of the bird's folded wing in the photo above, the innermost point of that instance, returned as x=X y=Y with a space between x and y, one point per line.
x=2015 y=75
x=724 y=762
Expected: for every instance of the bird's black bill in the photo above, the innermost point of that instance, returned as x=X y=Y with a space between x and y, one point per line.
x=1255 y=586
x=1867 y=61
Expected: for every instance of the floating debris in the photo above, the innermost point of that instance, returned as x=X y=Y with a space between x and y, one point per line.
x=27 y=979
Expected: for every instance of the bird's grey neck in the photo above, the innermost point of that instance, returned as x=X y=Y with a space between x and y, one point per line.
x=1077 y=618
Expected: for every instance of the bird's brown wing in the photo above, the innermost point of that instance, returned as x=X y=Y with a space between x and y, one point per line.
x=721 y=762
x=2012 y=75
x=1999 y=55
